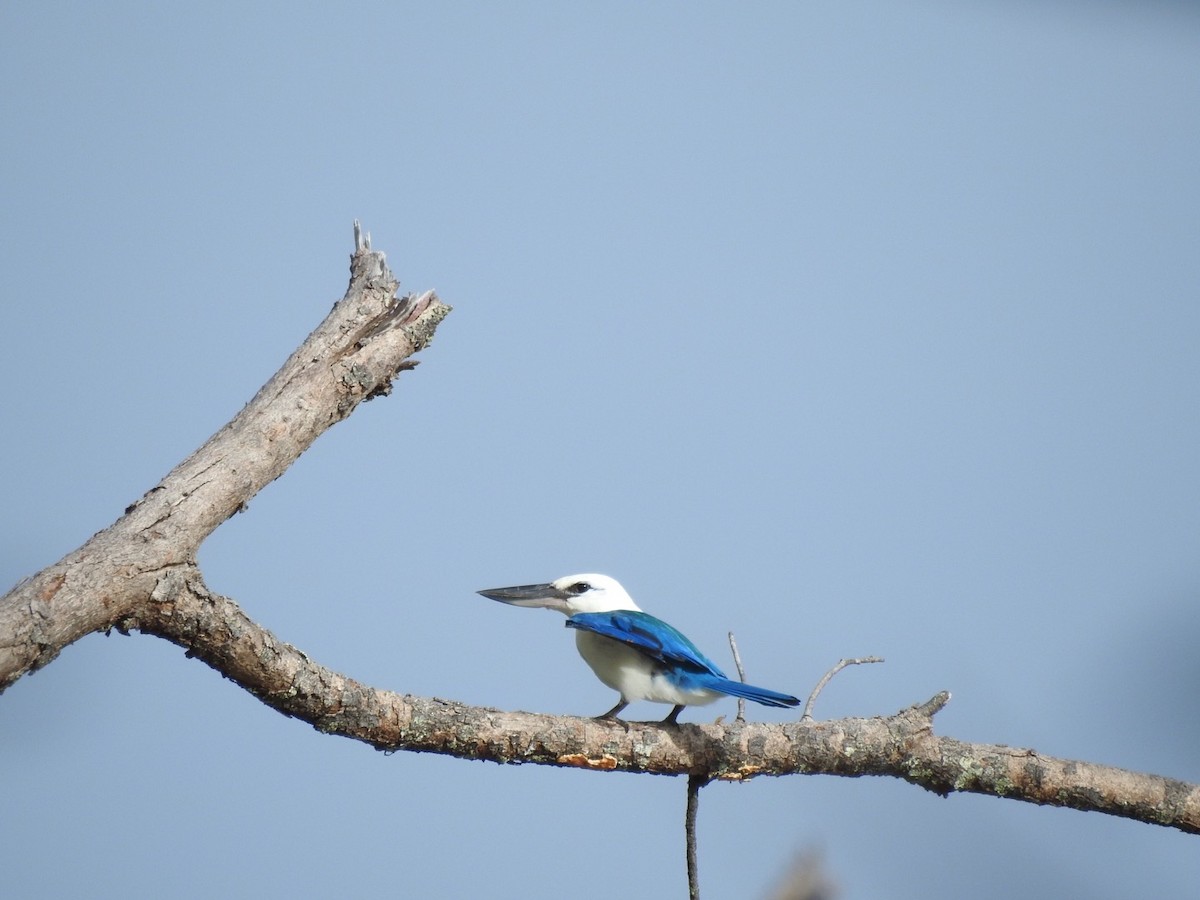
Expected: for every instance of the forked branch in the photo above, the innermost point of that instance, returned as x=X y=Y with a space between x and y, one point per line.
x=140 y=574
x=351 y=356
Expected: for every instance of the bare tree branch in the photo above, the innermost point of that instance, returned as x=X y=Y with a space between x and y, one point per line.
x=828 y=676
x=695 y=782
x=351 y=356
x=903 y=745
x=737 y=661
x=141 y=574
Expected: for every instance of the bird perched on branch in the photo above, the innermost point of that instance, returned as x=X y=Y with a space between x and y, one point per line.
x=635 y=654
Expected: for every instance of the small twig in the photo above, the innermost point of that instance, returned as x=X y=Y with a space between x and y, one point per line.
x=737 y=661
x=841 y=664
x=695 y=782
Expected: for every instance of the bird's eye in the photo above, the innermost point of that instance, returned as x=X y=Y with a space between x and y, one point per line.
x=579 y=587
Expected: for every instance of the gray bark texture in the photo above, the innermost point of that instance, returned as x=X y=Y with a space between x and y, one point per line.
x=140 y=574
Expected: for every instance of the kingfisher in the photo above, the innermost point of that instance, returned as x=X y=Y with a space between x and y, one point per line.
x=637 y=655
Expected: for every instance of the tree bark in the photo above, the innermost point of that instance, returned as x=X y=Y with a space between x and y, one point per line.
x=140 y=574
x=352 y=356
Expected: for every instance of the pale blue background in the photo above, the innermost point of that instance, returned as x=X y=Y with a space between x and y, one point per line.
x=851 y=327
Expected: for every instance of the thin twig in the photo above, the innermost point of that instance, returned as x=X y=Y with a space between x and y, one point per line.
x=841 y=664
x=695 y=782
x=737 y=661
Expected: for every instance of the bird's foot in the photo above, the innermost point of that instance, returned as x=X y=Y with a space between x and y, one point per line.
x=611 y=715
x=673 y=716
x=612 y=720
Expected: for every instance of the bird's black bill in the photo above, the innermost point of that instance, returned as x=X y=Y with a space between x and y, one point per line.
x=525 y=594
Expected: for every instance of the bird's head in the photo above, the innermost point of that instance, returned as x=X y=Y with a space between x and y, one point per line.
x=569 y=595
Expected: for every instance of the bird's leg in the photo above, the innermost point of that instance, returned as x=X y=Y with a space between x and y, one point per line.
x=612 y=713
x=673 y=716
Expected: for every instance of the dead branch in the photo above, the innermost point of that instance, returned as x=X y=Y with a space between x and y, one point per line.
x=352 y=356
x=140 y=574
x=828 y=676
x=695 y=782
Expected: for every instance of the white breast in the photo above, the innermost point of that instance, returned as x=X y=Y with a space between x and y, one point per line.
x=632 y=674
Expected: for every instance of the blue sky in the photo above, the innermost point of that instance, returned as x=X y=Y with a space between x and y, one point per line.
x=857 y=328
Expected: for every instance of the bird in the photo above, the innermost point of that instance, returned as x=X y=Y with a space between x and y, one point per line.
x=637 y=655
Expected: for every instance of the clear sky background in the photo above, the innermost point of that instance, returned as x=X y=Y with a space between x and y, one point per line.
x=854 y=328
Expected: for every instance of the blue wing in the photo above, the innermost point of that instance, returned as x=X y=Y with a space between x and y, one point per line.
x=685 y=665
x=652 y=636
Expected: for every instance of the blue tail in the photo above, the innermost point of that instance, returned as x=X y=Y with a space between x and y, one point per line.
x=748 y=691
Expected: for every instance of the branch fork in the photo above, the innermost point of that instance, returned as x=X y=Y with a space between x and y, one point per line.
x=141 y=574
